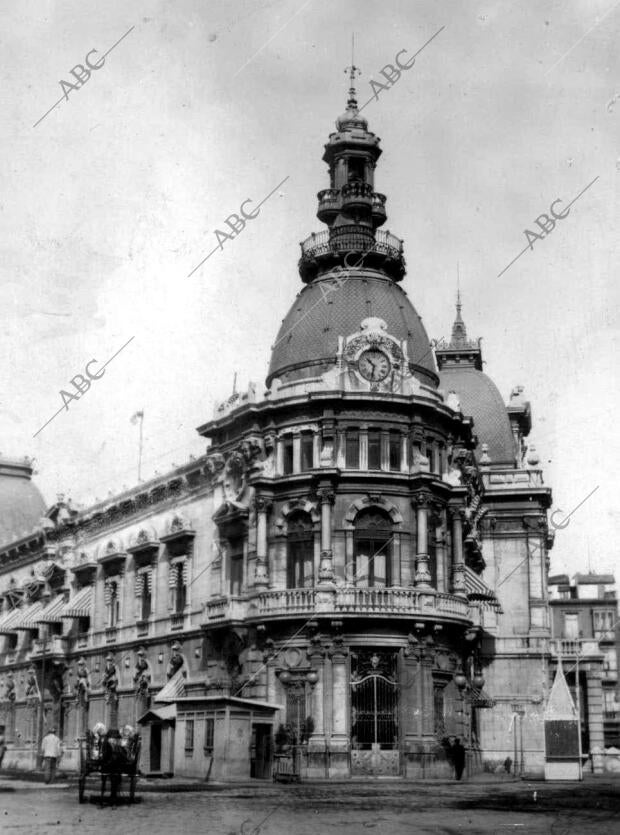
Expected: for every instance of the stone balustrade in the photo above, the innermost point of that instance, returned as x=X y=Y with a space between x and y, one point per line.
x=344 y=601
x=584 y=648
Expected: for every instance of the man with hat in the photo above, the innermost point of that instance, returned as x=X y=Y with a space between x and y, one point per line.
x=51 y=751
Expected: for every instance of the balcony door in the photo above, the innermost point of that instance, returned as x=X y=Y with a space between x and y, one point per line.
x=372 y=554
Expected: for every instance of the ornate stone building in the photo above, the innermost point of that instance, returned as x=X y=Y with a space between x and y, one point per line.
x=360 y=556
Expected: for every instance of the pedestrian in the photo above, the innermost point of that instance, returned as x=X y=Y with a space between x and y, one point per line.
x=51 y=751
x=2 y=746
x=458 y=758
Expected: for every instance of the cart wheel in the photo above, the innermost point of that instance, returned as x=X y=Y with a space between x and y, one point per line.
x=132 y=789
x=81 y=787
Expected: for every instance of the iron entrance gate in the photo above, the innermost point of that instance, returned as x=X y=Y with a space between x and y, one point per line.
x=374 y=714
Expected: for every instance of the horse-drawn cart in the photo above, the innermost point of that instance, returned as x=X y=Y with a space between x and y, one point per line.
x=111 y=756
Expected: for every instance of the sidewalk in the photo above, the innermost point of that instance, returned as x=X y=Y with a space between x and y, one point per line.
x=13 y=780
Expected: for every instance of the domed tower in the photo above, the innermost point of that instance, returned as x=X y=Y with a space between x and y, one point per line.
x=346 y=501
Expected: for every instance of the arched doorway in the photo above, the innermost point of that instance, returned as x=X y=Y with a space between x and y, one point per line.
x=375 y=748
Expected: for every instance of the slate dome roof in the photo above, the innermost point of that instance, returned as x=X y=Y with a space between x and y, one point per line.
x=21 y=503
x=307 y=341
x=480 y=399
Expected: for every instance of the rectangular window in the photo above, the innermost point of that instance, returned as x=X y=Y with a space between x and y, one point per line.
x=209 y=736
x=300 y=564
x=236 y=566
x=352 y=450
x=603 y=621
x=372 y=563
x=430 y=454
x=146 y=601
x=571 y=626
x=307 y=451
x=374 y=450
x=189 y=736
x=180 y=595
x=287 y=455
x=395 y=451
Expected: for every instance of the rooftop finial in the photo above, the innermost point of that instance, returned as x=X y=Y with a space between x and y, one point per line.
x=458 y=291
x=352 y=71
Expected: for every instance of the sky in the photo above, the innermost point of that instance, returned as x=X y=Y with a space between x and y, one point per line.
x=110 y=202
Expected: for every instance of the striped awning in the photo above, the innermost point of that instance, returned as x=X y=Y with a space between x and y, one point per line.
x=52 y=612
x=80 y=605
x=174 y=689
x=7 y=621
x=477 y=589
x=29 y=617
x=481 y=699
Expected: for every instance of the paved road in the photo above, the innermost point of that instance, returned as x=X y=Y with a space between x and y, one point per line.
x=317 y=810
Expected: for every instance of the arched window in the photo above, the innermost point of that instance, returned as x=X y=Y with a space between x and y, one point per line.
x=372 y=551
x=300 y=548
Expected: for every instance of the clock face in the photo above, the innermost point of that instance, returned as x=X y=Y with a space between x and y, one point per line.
x=374 y=365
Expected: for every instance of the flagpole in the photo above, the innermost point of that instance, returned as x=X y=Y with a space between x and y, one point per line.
x=140 y=447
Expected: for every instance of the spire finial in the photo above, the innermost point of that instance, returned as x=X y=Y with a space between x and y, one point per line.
x=352 y=72
x=458 y=292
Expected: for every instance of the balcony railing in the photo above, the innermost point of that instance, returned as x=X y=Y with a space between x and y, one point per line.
x=330 y=246
x=575 y=647
x=177 y=620
x=352 y=192
x=350 y=601
x=111 y=633
x=512 y=479
x=81 y=640
x=56 y=645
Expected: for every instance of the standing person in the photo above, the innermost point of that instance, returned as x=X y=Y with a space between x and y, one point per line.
x=458 y=758
x=2 y=746
x=51 y=750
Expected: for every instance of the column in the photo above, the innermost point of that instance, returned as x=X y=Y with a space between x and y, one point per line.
x=340 y=449
x=279 y=456
x=316 y=743
x=458 y=563
x=404 y=453
x=363 y=448
x=262 y=506
x=440 y=552
x=339 y=742
x=595 y=719
x=297 y=452
x=385 y=450
x=421 y=502
x=327 y=497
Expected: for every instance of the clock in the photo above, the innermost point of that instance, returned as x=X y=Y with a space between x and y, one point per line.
x=374 y=365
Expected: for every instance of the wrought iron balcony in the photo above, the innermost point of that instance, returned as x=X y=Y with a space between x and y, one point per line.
x=345 y=601
x=327 y=249
x=357 y=194
x=378 y=208
x=329 y=204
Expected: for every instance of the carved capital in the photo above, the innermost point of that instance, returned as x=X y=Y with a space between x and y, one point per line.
x=326 y=495
x=422 y=499
x=262 y=504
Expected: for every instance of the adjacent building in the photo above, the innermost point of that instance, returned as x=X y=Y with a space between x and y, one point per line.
x=586 y=638
x=357 y=564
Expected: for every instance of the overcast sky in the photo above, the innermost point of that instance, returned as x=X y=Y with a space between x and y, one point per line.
x=114 y=197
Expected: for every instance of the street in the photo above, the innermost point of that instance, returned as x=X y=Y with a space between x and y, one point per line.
x=591 y=807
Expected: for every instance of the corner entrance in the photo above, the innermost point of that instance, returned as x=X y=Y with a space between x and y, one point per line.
x=375 y=747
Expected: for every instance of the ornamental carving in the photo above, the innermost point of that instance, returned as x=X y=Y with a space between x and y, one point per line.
x=110 y=680
x=142 y=675
x=176 y=660
x=235 y=477
x=82 y=683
